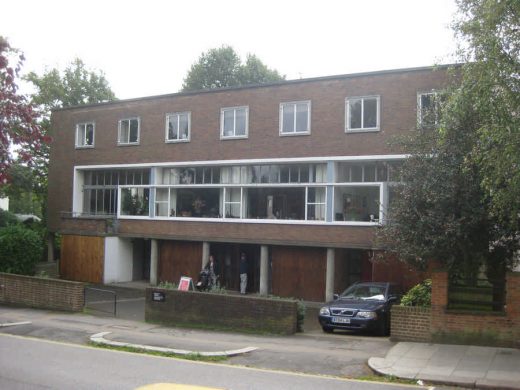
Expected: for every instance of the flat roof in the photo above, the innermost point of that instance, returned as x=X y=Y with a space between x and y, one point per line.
x=265 y=85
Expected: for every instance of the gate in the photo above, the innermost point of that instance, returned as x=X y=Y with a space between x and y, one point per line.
x=100 y=300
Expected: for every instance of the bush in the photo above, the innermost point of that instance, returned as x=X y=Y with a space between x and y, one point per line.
x=20 y=250
x=7 y=219
x=419 y=295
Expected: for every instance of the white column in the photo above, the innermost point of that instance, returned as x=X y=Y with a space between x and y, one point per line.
x=329 y=278
x=50 y=247
x=154 y=261
x=264 y=270
x=205 y=254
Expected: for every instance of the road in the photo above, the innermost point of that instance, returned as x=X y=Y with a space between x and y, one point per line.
x=28 y=363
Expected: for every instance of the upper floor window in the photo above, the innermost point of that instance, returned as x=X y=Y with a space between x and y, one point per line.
x=295 y=118
x=178 y=127
x=428 y=109
x=234 y=122
x=85 y=135
x=362 y=113
x=128 y=131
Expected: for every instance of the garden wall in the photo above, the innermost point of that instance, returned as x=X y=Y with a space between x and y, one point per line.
x=42 y=293
x=410 y=323
x=220 y=311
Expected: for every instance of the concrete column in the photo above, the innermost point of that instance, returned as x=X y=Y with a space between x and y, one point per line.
x=205 y=254
x=154 y=262
x=50 y=247
x=329 y=278
x=264 y=270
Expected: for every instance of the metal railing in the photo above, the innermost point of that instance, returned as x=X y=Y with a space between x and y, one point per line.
x=100 y=300
x=477 y=294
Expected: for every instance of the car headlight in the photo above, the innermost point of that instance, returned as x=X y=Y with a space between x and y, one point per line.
x=324 y=311
x=367 y=314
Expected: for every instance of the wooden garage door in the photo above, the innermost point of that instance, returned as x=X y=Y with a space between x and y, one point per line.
x=178 y=259
x=82 y=258
x=299 y=272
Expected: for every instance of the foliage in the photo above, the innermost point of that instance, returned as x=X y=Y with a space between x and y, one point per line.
x=7 y=219
x=300 y=315
x=20 y=250
x=490 y=44
x=460 y=201
x=419 y=295
x=221 y=67
x=19 y=129
x=24 y=196
x=167 y=285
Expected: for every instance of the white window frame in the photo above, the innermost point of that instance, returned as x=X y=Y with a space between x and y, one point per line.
x=362 y=128
x=177 y=114
x=77 y=138
x=294 y=132
x=119 y=142
x=436 y=95
x=234 y=110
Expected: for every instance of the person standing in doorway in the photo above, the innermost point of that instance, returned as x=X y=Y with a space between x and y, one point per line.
x=243 y=273
x=211 y=267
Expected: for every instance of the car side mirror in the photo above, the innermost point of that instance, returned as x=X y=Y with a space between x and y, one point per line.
x=392 y=298
x=335 y=297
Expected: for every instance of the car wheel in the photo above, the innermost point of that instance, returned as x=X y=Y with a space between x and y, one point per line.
x=326 y=329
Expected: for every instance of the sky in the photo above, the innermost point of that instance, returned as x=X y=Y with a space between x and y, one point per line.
x=146 y=48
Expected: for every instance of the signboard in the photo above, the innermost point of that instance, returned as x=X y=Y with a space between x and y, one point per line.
x=158 y=296
x=185 y=284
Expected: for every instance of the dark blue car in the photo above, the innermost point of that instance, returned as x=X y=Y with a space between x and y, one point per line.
x=362 y=306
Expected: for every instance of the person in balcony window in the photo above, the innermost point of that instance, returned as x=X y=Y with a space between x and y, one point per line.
x=243 y=273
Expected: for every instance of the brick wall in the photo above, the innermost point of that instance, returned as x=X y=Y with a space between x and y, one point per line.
x=42 y=293
x=410 y=323
x=222 y=311
x=494 y=328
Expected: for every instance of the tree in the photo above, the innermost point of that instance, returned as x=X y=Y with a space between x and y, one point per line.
x=460 y=199
x=489 y=32
x=221 y=67
x=77 y=85
x=20 y=133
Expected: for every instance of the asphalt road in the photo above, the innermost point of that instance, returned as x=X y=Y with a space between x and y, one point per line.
x=27 y=363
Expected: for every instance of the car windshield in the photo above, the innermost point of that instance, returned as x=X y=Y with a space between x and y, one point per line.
x=364 y=292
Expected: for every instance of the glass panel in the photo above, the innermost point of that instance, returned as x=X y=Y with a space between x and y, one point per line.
x=382 y=172
x=288 y=118
x=240 y=122
x=356 y=173
x=161 y=202
x=356 y=203
x=123 y=133
x=276 y=203
x=316 y=212
x=370 y=113
x=173 y=129
x=197 y=202
x=354 y=114
x=229 y=123
x=302 y=117
x=183 y=126
x=134 y=130
x=304 y=174
x=284 y=174
x=370 y=173
x=135 y=201
x=294 y=172
x=428 y=110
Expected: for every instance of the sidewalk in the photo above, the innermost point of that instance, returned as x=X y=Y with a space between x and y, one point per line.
x=459 y=365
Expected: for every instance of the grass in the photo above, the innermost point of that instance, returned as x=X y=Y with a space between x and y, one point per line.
x=386 y=379
x=191 y=356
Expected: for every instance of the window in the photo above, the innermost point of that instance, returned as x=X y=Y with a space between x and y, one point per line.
x=128 y=131
x=234 y=122
x=428 y=110
x=85 y=135
x=362 y=113
x=178 y=127
x=295 y=118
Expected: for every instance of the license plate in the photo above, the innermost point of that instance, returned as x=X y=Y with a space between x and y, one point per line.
x=341 y=320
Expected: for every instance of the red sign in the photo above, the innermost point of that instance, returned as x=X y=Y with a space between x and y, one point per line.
x=185 y=284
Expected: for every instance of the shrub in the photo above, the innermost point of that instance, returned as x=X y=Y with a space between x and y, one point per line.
x=20 y=250
x=7 y=219
x=419 y=295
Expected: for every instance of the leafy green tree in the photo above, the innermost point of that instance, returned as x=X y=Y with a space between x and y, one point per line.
x=222 y=67
x=20 y=250
x=489 y=32
x=20 y=133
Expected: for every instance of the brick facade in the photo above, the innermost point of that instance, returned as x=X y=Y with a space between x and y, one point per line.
x=411 y=323
x=222 y=311
x=41 y=293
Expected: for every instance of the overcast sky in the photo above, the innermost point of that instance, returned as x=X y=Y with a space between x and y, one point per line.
x=146 y=47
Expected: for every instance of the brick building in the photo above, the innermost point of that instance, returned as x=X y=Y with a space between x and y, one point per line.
x=297 y=175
